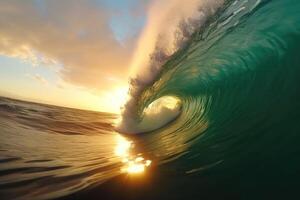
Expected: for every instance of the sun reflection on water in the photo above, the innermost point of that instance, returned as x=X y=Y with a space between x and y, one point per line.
x=133 y=163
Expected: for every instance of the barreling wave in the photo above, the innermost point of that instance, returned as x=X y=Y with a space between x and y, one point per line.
x=238 y=84
x=170 y=28
x=237 y=72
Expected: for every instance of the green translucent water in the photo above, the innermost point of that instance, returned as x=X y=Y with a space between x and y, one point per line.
x=239 y=81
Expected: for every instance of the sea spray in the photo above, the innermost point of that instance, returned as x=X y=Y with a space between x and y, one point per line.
x=167 y=34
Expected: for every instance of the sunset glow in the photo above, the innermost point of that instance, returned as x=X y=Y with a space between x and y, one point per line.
x=116 y=99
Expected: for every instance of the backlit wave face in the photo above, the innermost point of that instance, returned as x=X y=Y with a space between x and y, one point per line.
x=170 y=26
x=237 y=80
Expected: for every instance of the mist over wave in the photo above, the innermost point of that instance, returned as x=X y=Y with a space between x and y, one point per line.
x=170 y=26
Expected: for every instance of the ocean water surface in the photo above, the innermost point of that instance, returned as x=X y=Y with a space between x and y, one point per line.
x=48 y=152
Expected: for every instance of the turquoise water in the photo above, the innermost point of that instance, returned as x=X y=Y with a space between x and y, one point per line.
x=239 y=83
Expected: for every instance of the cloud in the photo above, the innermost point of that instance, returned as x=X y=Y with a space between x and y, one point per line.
x=38 y=78
x=76 y=34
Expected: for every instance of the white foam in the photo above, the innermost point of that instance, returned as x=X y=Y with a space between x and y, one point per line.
x=156 y=115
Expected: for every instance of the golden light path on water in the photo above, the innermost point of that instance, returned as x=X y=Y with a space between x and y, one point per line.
x=133 y=163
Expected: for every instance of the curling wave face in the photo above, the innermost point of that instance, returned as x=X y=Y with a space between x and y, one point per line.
x=238 y=82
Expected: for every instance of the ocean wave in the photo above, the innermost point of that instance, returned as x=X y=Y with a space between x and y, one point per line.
x=238 y=84
x=165 y=41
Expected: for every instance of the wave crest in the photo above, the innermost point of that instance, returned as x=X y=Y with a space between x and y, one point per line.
x=170 y=26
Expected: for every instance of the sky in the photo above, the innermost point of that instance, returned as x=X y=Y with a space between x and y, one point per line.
x=69 y=53
x=81 y=53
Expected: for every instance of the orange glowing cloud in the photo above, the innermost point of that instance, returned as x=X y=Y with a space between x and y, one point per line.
x=73 y=34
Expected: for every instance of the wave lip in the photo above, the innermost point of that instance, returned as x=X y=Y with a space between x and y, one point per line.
x=159 y=113
x=170 y=29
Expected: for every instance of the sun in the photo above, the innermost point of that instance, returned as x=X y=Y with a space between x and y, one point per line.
x=116 y=98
